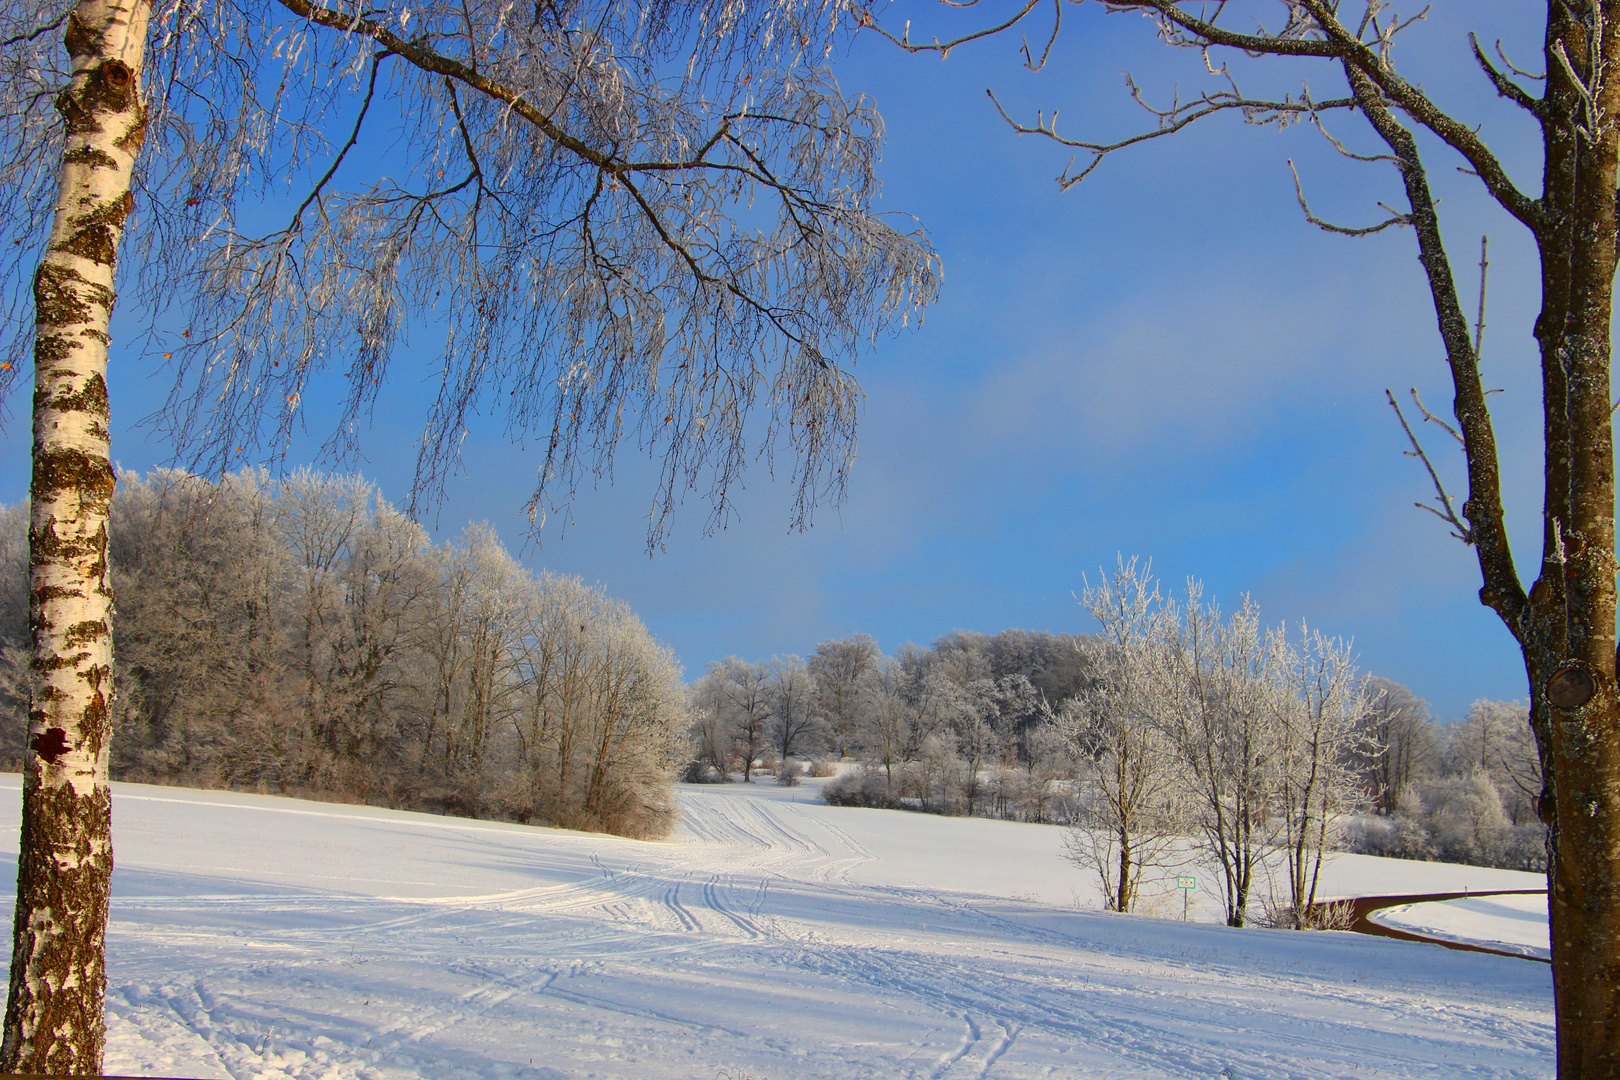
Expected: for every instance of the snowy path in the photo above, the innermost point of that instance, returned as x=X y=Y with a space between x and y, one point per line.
x=259 y=937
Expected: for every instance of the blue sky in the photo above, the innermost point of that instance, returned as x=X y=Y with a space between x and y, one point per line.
x=1165 y=361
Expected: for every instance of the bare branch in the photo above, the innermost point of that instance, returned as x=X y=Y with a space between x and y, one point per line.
x=1051 y=39
x=1171 y=120
x=1460 y=137
x=1431 y=418
x=1448 y=514
x=1511 y=66
x=864 y=17
x=337 y=160
x=32 y=35
x=1505 y=86
x=1315 y=30
x=1345 y=150
x=1395 y=218
x=1487 y=532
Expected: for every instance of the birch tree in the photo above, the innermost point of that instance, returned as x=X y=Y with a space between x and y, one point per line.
x=53 y=1018
x=642 y=222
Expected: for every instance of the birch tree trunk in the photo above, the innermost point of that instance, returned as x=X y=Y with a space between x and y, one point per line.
x=54 y=1019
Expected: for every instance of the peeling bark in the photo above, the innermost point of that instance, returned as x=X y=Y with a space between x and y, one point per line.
x=54 y=1012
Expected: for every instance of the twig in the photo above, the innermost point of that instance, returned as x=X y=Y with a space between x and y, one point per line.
x=354 y=136
x=864 y=17
x=32 y=34
x=1505 y=86
x=1430 y=418
x=1449 y=515
x=1343 y=230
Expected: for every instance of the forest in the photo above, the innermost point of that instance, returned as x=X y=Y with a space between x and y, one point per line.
x=300 y=635
x=1261 y=746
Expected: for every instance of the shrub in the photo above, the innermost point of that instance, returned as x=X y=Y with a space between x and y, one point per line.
x=867 y=788
x=701 y=772
x=1281 y=914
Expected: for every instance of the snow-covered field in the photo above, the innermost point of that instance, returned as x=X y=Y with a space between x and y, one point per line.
x=1515 y=924
x=773 y=938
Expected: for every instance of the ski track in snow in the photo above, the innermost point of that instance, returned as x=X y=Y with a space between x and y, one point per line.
x=369 y=945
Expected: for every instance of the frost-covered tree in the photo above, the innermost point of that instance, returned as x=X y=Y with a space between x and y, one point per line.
x=904 y=703
x=1134 y=811
x=1321 y=713
x=796 y=721
x=1467 y=817
x=745 y=693
x=1400 y=737
x=840 y=668
x=712 y=740
x=1496 y=739
x=1220 y=676
x=206 y=601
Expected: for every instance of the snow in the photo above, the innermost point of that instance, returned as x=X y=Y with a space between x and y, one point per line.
x=1516 y=924
x=773 y=938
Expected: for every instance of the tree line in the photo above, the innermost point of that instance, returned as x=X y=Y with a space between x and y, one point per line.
x=1175 y=734
x=303 y=636
x=1465 y=792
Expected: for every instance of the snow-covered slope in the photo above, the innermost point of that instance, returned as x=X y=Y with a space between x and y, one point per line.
x=774 y=938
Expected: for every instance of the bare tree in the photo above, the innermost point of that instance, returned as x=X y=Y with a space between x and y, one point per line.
x=1496 y=739
x=744 y=695
x=795 y=712
x=901 y=705
x=977 y=739
x=318 y=515
x=631 y=726
x=711 y=734
x=206 y=671
x=1563 y=619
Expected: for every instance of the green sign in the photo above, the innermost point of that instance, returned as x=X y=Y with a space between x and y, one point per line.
x=1186 y=881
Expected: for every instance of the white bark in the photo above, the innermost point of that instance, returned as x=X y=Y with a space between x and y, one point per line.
x=54 y=1018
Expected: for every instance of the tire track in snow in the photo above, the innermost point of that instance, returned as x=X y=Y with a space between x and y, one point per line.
x=765 y=813
x=711 y=899
x=760 y=893
x=1112 y=1012
x=496 y=990
x=835 y=868
x=672 y=901
x=969 y=1040
x=1009 y=1032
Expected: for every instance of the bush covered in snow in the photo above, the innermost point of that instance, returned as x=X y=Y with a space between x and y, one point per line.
x=864 y=787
